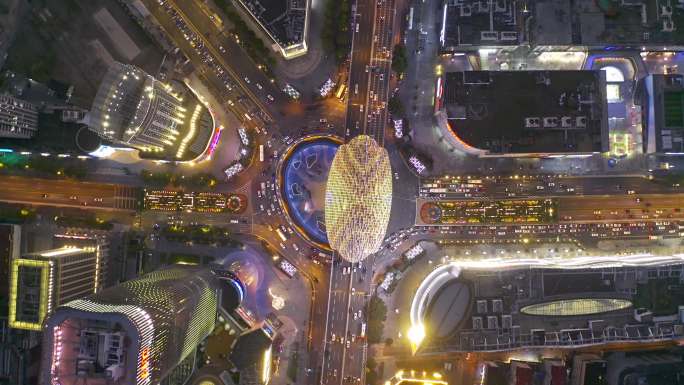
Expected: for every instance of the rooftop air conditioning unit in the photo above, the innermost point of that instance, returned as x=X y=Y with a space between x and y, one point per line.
x=509 y=35
x=477 y=323
x=665 y=10
x=483 y=6
x=492 y=322
x=581 y=121
x=481 y=306
x=550 y=121
x=566 y=122
x=500 y=6
x=668 y=25
x=532 y=122
x=497 y=306
x=506 y=321
x=489 y=35
x=466 y=10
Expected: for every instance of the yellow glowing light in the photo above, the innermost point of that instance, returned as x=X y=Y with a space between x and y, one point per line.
x=63 y=251
x=358 y=198
x=266 y=367
x=416 y=334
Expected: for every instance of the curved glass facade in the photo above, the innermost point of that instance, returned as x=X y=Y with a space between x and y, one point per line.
x=573 y=307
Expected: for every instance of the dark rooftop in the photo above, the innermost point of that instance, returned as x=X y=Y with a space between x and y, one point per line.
x=474 y=22
x=284 y=20
x=249 y=348
x=606 y=23
x=528 y=111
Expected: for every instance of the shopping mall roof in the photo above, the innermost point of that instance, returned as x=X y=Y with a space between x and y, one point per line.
x=515 y=309
x=528 y=111
x=480 y=23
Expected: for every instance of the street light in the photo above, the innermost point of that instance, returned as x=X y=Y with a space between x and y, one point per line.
x=416 y=334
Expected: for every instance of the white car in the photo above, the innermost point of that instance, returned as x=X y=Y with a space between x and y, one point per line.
x=259 y=86
x=269 y=97
x=247 y=80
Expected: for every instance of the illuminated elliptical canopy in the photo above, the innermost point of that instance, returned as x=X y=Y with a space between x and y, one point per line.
x=574 y=307
x=358 y=198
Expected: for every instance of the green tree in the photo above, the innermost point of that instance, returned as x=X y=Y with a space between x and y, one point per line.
x=399 y=59
x=395 y=106
x=377 y=313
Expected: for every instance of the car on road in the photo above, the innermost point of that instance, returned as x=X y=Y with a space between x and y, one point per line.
x=247 y=80
x=259 y=86
x=270 y=98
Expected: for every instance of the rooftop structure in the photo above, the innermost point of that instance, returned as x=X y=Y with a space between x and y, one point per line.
x=553 y=372
x=627 y=23
x=549 y=307
x=534 y=113
x=285 y=22
x=134 y=109
x=203 y=202
x=252 y=355
x=475 y=23
x=445 y=212
x=358 y=198
x=664 y=105
x=18 y=118
x=39 y=282
x=139 y=332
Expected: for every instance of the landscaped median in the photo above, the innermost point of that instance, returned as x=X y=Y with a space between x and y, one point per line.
x=376 y=311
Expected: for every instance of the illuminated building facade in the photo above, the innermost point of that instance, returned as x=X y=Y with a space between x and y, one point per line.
x=358 y=198
x=39 y=282
x=144 y=331
x=134 y=109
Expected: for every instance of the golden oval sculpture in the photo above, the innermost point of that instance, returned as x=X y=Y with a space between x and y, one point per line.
x=358 y=198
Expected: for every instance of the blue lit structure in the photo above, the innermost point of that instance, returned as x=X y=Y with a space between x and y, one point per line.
x=303 y=175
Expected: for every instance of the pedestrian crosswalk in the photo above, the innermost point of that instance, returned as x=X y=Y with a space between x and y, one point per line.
x=126 y=197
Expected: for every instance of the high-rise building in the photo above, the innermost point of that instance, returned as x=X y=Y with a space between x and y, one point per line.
x=39 y=282
x=144 y=331
x=88 y=240
x=18 y=118
x=134 y=109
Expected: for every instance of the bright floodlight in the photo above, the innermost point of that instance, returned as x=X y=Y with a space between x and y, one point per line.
x=358 y=198
x=416 y=334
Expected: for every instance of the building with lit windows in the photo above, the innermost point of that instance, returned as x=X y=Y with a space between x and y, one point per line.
x=18 y=118
x=39 y=282
x=134 y=109
x=144 y=331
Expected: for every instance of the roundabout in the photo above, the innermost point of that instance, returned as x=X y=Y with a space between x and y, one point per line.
x=302 y=175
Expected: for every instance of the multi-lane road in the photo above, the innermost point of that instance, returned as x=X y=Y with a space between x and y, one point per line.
x=345 y=349
x=68 y=193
